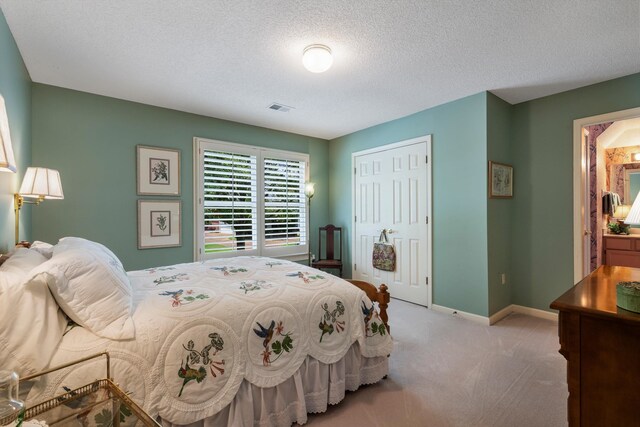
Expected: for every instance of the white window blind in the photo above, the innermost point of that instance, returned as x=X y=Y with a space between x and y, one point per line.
x=230 y=202
x=249 y=201
x=285 y=213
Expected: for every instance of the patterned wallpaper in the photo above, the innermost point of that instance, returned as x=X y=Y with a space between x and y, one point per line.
x=618 y=156
x=595 y=196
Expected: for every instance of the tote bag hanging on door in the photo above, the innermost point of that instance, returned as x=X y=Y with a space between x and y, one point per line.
x=384 y=255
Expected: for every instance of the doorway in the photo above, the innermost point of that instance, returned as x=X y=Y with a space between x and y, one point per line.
x=392 y=191
x=584 y=229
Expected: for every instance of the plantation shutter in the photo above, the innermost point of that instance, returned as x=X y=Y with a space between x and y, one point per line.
x=285 y=207
x=249 y=201
x=230 y=202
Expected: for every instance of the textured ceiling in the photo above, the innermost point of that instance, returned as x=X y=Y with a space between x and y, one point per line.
x=231 y=59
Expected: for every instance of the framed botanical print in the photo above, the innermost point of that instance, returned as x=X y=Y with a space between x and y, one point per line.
x=500 y=180
x=159 y=223
x=158 y=171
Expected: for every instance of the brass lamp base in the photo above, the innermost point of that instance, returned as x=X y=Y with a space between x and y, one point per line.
x=18 y=202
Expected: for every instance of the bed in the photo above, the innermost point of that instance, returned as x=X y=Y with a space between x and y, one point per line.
x=237 y=341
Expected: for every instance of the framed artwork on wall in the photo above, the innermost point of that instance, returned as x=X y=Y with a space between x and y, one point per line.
x=500 y=180
x=158 y=171
x=159 y=223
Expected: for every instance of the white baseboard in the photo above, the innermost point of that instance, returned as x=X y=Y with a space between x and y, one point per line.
x=543 y=314
x=469 y=316
x=521 y=309
x=496 y=317
x=513 y=308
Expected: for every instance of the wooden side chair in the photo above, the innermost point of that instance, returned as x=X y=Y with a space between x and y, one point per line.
x=330 y=260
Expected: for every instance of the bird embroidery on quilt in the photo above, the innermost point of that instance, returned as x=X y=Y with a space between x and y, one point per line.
x=153 y=270
x=329 y=321
x=272 y=263
x=375 y=327
x=181 y=297
x=203 y=358
x=180 y=277
x=305 y=276
x=230 y=270
x=254 y=285
x=278 y=346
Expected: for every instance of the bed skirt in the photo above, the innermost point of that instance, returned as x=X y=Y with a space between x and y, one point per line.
x=310 y=390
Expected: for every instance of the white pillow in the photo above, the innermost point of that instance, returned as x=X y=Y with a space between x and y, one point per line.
x=77 y=242
x=46 y=249
x=92 y=288
x=31 y=323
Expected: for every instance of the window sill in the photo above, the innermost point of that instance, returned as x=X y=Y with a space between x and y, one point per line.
x=295 y=257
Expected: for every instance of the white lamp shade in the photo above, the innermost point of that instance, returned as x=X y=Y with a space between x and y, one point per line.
x=7 y=160
x=317 y=58
x=41 y=182
x=621 y=211
x=633 y=217
x=309 y=189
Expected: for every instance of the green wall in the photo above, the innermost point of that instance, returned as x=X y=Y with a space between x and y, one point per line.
x=542 y=238
x=459 y=194
x=499 y=211
x=528 y=237
x=15 y=87
x=92 y=141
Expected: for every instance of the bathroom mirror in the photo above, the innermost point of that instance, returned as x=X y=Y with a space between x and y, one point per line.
x=620 y=177
x=631 y=185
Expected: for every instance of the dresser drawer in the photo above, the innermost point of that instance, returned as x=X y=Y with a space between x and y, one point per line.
x=619 y=243
x=623 y=258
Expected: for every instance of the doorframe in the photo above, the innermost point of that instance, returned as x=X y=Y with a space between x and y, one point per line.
x=580 y=172
x=429 y=171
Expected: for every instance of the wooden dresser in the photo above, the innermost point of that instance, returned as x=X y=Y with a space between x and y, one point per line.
x=601 y=343
x=621 y=249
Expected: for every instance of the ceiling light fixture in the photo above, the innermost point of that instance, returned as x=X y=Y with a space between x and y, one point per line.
x=317 y=58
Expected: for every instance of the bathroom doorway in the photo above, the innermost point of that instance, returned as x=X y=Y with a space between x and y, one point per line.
x=604 y=149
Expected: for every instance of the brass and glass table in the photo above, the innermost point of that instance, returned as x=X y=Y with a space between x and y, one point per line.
x=100 y=403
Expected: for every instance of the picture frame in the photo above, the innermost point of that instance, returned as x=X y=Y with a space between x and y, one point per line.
x=159 y=223
x=500 y=180
x=158 y=172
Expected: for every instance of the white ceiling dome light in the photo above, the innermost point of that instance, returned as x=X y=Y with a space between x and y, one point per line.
x=317 y=58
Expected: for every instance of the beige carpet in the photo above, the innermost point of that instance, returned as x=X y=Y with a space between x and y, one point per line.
x=447 y=371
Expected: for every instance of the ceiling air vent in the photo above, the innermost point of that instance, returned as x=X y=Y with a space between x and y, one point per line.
x=280 y=107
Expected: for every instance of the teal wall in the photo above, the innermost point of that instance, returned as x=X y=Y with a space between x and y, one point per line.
x=459 y=194
x=92 y=141
x=499 y=211
x=528 y=237
x=542 y=238
x=15 y=87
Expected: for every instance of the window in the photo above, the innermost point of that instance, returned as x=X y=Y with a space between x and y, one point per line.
x=249 y=201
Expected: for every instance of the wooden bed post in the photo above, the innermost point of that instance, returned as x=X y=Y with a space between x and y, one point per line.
x=383 y=301
x=382 y=297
